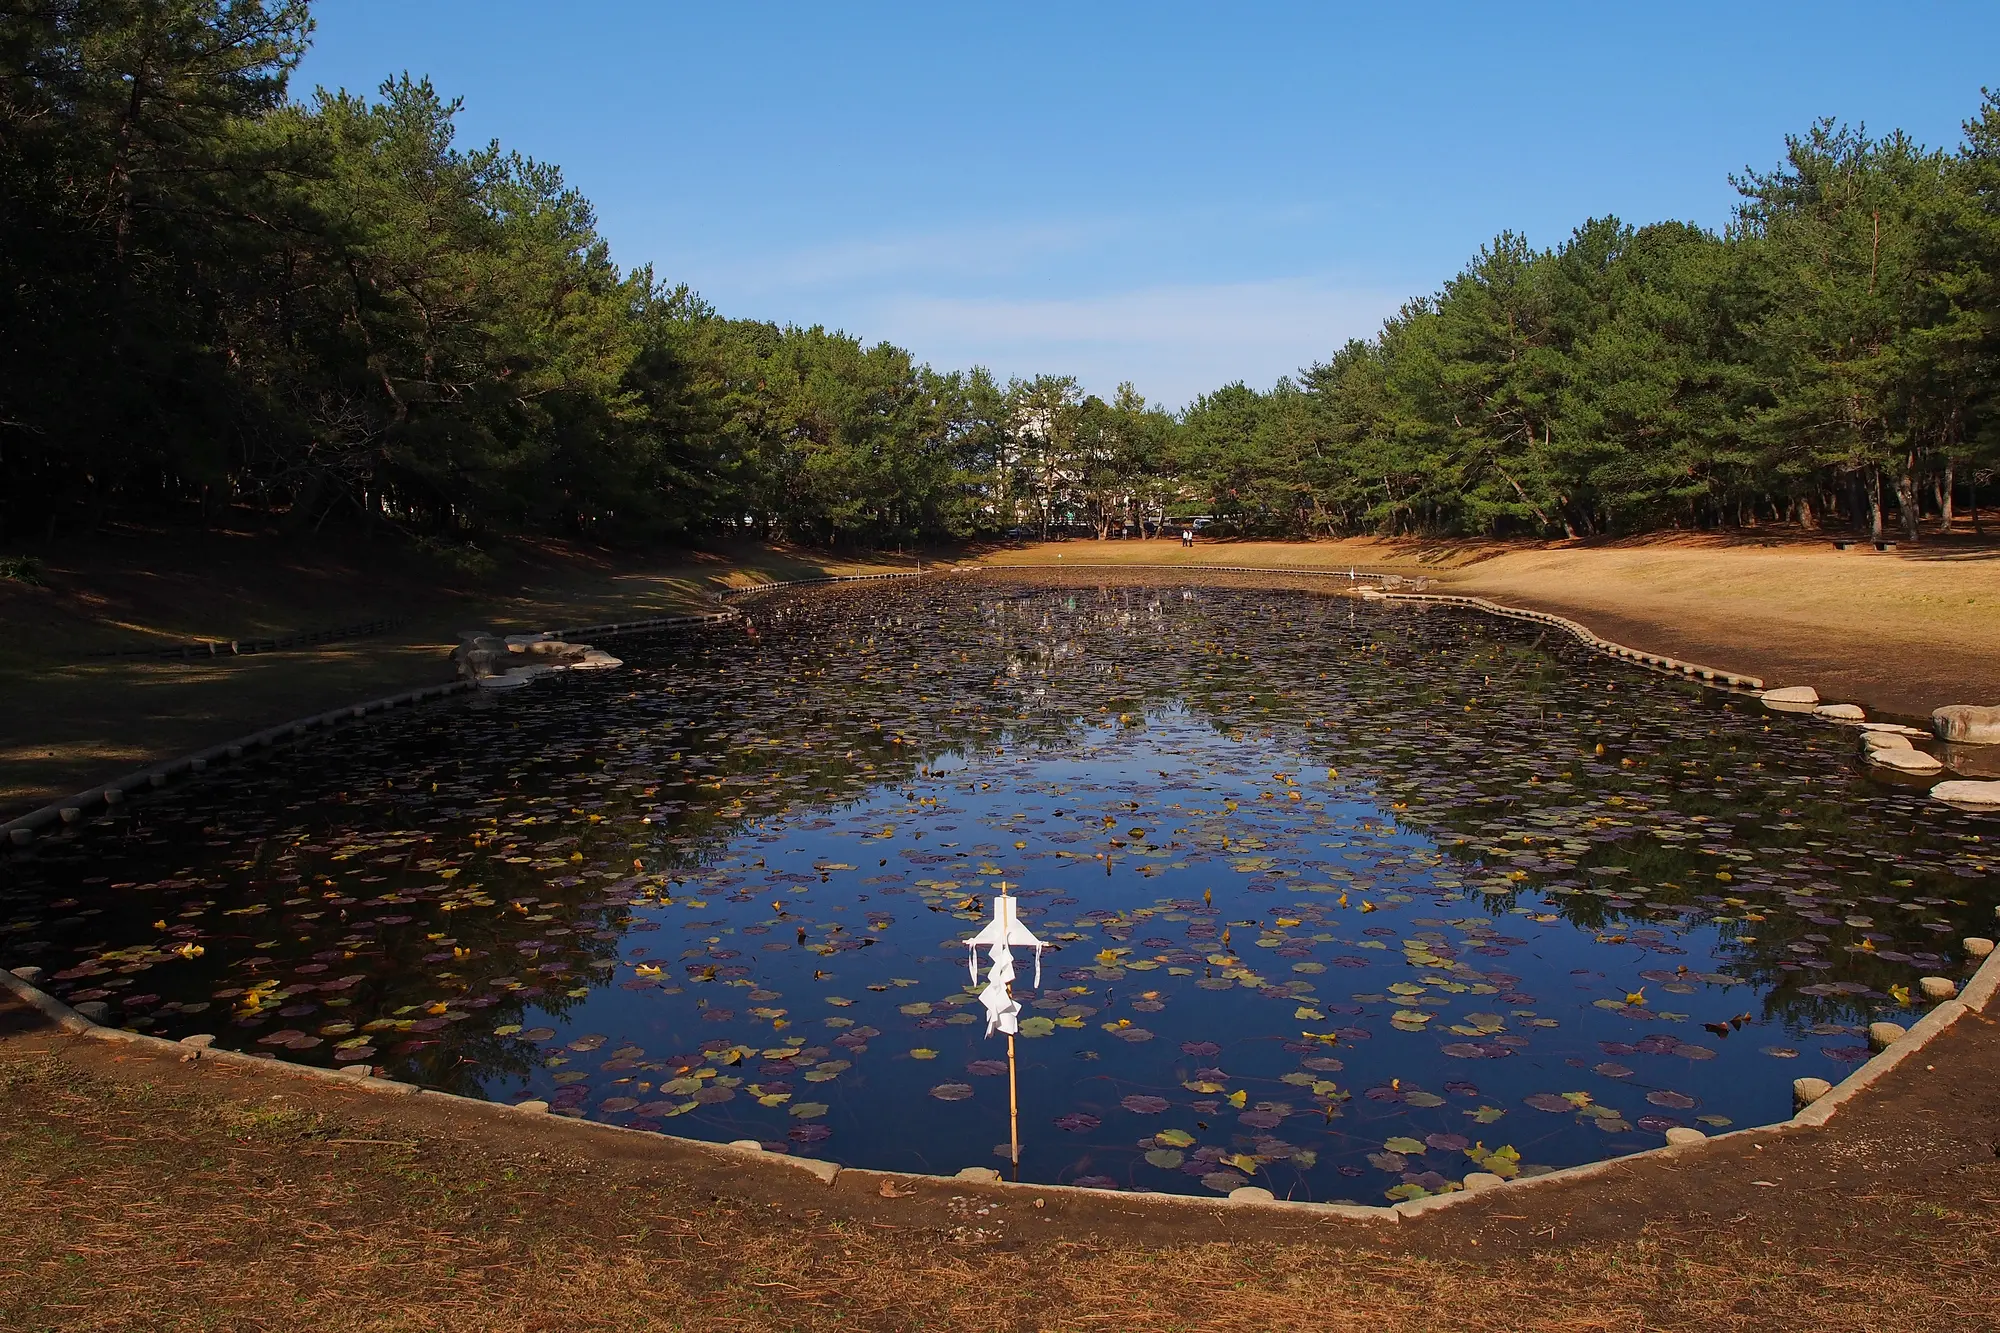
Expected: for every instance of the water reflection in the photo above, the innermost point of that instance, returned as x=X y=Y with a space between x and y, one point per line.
x=1352 y=899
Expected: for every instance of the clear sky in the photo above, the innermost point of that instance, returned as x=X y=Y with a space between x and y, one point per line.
x=1176 y=194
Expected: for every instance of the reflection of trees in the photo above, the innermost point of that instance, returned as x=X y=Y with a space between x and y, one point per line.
x=845 y=691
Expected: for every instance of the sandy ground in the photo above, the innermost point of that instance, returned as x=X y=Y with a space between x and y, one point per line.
x=1902 y=632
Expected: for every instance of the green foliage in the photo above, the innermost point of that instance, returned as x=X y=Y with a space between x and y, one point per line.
x=21 y=569
x=214 y=295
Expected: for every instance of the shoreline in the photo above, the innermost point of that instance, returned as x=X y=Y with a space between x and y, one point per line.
x=1796 y=1180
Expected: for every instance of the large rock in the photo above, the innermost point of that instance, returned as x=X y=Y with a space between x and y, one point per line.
x=479 y=654
x=553 y=650
x=1967 y=724
x=1906 y=761
x=1806 y=1091
x=1791 y=694
x=1840 y=712
x=1972 y=795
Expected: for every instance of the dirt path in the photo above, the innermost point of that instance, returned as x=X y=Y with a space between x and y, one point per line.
x=1902 y=632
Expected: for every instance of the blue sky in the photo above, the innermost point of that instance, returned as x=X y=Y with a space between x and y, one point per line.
x=1176 y=194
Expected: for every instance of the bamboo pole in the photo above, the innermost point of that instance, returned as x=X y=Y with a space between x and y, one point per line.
x=1013 y=1103
x=1013 y=1093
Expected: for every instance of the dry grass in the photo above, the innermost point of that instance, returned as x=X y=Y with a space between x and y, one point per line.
x=133 y=1207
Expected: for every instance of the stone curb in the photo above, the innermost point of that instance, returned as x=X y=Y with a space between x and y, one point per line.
x=1979 y=992
x=1351 y=575
x=1975 y=996
x=19 y=832
x=756 y=588
x=64 y=1017
x=1706 y=675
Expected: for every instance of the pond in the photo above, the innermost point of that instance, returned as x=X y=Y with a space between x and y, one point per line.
x=1348 y=899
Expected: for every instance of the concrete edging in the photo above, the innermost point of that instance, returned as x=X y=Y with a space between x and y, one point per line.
x=1352 y=575
x=1977 y=994
x=21 y=830
x=1705 y=675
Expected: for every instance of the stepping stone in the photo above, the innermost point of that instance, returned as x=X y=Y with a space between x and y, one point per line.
x=1973 y=795
x=1906 y=761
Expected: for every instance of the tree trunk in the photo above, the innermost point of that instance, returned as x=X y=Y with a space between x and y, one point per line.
x=1906 y=499
x=1946 y=479
x=1873 y=488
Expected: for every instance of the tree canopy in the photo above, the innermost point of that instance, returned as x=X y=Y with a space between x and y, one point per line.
x=216 y=294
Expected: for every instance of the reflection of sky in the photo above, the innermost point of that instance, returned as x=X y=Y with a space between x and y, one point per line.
x=1563 y=968
x=722 y=767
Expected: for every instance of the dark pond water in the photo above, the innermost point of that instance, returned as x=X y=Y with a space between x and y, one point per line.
x=1350 y=900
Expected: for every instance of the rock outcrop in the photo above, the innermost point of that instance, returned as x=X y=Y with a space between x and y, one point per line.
x=1967 y=724
x=501 y=664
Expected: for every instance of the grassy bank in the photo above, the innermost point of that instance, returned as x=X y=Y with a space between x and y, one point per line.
x=74 y=718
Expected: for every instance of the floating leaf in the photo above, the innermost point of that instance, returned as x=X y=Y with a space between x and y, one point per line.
x=1144 y=1105
x=952 y=1092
